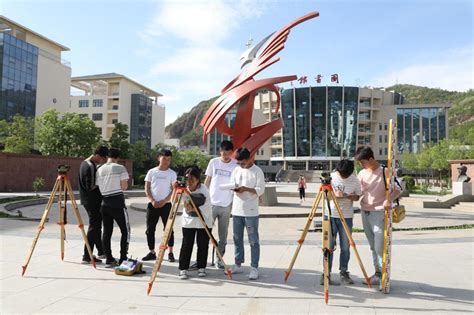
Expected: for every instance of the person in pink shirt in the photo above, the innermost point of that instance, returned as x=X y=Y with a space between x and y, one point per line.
x=372 y=203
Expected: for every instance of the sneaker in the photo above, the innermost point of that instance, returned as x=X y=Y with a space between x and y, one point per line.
x=122 y=259
x=253 y=275
x=375 y=279
x=110 y=263
x=220 y=265
x=345 y=278
x=236 y=269
x=171 y=257
x=193 y=267
x=149 y=256
x=201 y=272
x=101 y=256
x=87 y=260
x=183 y=274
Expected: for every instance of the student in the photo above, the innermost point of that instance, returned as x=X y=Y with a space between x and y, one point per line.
x=250 y=183
x=218 y=172
x=347 y=189
x=192 y=226
x=159 y=183
x=91 y=199
x=302 y=188
x=112 y=179
x=372 y=203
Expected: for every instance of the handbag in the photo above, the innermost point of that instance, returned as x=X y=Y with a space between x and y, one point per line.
x=398 y=211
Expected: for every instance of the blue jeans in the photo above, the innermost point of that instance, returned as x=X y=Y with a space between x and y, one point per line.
x=251 y=223
x=338 y=228
x=373 y=222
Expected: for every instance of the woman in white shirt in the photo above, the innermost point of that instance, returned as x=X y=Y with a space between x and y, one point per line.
x=192 y=225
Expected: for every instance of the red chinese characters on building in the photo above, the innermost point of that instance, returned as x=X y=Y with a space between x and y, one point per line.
x=334 y=78
x=318 y=78
x=303 y=80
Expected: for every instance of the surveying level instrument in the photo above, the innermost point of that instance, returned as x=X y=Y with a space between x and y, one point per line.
x=62 y=187
x=326 y=194
x=176 y=198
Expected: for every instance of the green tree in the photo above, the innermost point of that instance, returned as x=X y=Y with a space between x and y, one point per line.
x=66 y=135
x=139 y=153
x=119 y=139
x=17 y=136
x=409 y=161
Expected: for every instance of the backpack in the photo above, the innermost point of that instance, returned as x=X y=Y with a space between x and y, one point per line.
x=398 y=212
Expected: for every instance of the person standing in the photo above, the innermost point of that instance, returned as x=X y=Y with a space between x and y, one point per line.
x=91 y=199
x=192 y=226
x=159 y=183
x=112 y=179
x=302 y=188
x=347 y=189
x=249 y=181
x=218 y=172
x=373 y=202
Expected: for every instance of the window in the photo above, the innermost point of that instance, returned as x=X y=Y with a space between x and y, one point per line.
x=386 y=151
x=380 y=126
x=380 y=151
x=96 y=117
x=83 y=103
x=386 y=139
x=385 y=127
x=380 y=138
x=114 y=121
x=97 y=103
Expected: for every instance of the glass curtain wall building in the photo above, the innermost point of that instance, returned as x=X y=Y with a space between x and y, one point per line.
x=18 y=71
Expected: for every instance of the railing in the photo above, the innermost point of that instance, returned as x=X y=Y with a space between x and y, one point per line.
x=55 y=58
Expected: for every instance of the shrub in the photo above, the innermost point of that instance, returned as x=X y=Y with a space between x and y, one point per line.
x=409 y=182
x=38 y=183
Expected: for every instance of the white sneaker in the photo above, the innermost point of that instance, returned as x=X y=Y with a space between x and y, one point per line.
x=236 y=269
x=253 y=275
x=201 y=272
x=183 y=274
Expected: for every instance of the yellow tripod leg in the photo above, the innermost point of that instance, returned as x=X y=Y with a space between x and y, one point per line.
x=78 y=218
x=311 y=216
x=61 y=205
x=326 y=248
x=164 y=239
x=41 y=225
x=349 y=236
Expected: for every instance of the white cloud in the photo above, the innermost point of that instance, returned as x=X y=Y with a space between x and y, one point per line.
x=451 y=70
x=196 y=64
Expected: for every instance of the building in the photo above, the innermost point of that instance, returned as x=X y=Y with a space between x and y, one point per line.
x=326 y=123
x=111 y=97
x=33 y=75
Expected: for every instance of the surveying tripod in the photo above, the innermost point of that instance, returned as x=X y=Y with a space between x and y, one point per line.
x=176 y=199
x=326 y=194
x=62 y=187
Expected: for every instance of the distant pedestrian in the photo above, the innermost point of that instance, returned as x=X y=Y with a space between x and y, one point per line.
x=91 y=199
x=302 y=188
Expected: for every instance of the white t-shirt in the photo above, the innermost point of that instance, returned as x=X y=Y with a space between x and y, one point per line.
x=161 y=182
x=108 y=178
x=191 y=222
x=246 y=204
x=349 y=186
x=220 y=173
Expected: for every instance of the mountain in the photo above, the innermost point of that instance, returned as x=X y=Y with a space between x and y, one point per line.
x=461 y=114
x=186 y=127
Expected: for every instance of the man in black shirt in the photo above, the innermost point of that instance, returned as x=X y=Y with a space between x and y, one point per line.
x=91 y=199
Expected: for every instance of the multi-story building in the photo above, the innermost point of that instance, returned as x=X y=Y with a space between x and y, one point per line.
x=326 y=123
x=33 y=76
x=110 y=98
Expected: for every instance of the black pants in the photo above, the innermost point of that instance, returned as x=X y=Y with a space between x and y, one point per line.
x=202 y=240
x=152 y=217
x=94 y=232
x=119 y=215
x=302 y=193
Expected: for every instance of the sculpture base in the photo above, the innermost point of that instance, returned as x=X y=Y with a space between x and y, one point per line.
x=460 y=188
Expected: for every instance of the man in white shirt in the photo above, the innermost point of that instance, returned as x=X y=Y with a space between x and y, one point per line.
x=159 y=183
x=249 y=181
x=112 y=179
x=218 y=172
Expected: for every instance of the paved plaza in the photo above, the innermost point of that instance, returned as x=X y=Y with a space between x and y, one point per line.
x=432 y=270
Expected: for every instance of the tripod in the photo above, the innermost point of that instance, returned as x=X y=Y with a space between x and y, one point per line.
x=176 y=198
x=62 y=187
x=325 y=194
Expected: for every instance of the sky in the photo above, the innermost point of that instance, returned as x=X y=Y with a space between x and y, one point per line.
x=189 y=50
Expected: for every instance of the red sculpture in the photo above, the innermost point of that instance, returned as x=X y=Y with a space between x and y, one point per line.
x=242 y=90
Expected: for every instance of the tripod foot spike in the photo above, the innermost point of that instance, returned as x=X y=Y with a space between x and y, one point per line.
x=23 y=270
x=62 y=256
x=93 y=263
x=368 y=283
x=326 y=297
x=229 y=273
x=149 y=288
x=287 y=274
